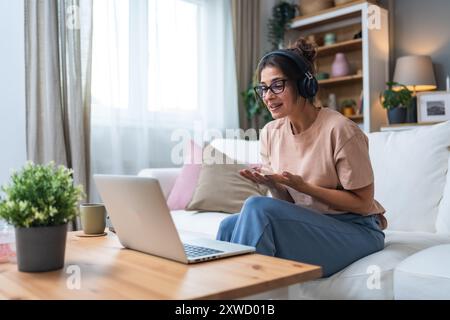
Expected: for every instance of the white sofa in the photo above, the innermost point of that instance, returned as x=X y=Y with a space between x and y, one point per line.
x=412 y=181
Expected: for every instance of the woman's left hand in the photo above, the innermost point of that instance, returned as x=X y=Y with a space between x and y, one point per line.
x=291 y=180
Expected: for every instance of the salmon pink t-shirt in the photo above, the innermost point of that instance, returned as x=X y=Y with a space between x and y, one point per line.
x=332 y=153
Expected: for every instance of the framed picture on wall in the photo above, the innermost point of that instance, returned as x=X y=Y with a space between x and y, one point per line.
x=433 y=106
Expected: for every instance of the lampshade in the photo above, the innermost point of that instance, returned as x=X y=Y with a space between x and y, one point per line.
x=415 y=72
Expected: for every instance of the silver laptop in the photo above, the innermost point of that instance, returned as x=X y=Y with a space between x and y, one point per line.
x=142 y=221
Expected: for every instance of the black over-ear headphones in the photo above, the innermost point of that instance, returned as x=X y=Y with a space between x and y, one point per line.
x=307 y=86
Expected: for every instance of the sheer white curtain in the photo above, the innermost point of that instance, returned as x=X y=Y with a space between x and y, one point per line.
x=158 y=66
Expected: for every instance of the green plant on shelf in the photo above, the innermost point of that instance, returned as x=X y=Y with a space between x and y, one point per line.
x=396 y=95
x=348 y=103
x=282 y=13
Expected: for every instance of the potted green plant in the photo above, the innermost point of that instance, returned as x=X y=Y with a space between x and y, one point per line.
x=348 y=107
x=396 y=99
x=255 y=108
x=282 y=13
x=39 y=202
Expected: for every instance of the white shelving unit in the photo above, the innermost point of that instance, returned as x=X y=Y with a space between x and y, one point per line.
x=370 y=54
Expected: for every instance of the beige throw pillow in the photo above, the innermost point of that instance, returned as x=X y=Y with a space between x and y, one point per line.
x=220 y=187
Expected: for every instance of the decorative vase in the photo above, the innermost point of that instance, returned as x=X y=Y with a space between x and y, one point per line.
x=312 y=6
x=397 y=115
x=329 y=38
x=322 y=76
x=340 y=66
x=332 y=102
x=41 y=249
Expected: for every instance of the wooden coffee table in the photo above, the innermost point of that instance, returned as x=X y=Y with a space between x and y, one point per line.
x=99 y=268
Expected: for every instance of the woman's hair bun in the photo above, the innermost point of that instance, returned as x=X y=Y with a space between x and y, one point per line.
x=307 y=49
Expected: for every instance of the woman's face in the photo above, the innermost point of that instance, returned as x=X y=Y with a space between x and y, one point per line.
x=283 y=102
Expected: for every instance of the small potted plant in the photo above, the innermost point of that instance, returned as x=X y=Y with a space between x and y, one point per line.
x=39 y=202
x=348 y=107
x=396 y=99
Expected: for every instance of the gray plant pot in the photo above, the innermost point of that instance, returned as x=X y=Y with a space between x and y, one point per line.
x=397 y=115
x=41 y=249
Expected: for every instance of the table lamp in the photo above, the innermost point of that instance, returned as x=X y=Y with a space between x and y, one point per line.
x=416 y=73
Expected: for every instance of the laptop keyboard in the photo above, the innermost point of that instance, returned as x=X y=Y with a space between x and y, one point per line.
x=196 y=251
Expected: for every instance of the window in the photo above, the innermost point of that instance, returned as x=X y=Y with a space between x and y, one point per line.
x=173 y=55
x=145 y=56
x=110 y=54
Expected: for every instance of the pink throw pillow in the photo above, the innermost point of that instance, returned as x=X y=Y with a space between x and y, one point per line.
x=186 y=182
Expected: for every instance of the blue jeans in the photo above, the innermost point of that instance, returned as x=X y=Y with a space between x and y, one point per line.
x=282 y=229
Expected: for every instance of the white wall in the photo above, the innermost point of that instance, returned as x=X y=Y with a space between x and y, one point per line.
x=422 y=28
x=12 y=87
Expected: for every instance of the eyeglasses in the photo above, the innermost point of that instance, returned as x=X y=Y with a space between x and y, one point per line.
x=276 y=87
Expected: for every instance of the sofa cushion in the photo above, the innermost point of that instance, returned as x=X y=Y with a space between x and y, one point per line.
x=410 y=174
x=165 y=176
x=443 y=218
x=185 y=184
x=241 y=150
x=220 y=187
x=424 y=275
x=205 y=224
x=352 y=282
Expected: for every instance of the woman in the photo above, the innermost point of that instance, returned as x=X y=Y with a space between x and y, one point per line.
x=317 y=167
